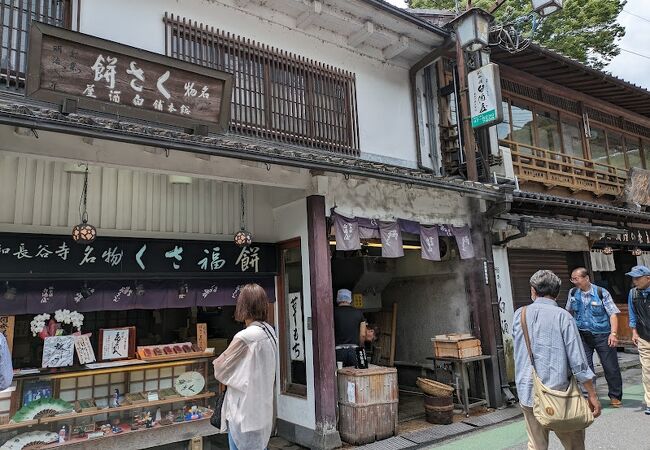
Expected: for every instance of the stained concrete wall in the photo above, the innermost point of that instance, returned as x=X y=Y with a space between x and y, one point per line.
x=431 y=300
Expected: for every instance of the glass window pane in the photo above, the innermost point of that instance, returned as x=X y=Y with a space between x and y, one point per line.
x=633 y=151
x=615 y=150
x=548 y=129
x=572 y=138
x=598 y=146
x=522 y=125
x=503 y=129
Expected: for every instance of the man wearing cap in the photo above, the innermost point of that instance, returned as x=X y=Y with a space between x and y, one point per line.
x=639 y=310
x=349 y=328
x=596 y=316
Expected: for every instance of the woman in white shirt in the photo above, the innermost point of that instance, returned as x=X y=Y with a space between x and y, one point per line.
x=247 y=368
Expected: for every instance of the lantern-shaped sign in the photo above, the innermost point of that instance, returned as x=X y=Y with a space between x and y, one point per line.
x=84 y=233
x=473 y=29
x=243 y=238
x=546 y=7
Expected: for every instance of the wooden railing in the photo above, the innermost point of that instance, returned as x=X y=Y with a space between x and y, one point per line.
x=554 y=169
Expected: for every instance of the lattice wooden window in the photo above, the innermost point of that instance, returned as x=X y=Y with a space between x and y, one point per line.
x=15 y=18
x=276 y=94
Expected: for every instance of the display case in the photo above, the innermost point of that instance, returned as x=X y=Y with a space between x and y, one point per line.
x=68 y=406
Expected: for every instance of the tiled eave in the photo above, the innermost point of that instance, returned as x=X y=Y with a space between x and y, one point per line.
x=18 y=111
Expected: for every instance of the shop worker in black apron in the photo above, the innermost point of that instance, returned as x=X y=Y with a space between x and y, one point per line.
x=349 y=329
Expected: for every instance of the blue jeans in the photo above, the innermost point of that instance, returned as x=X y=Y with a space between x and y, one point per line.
x=608 y=358
x=231 y=443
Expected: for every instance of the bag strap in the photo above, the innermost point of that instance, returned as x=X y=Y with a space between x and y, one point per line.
x=268 y=333
x=524 y=327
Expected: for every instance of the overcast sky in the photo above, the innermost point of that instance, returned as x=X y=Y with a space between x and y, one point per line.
x=628 y=66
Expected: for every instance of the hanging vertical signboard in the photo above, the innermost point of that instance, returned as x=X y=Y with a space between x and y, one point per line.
x=297 y=335
x=485 y=96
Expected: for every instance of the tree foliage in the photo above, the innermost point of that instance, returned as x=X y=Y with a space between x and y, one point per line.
x=585 y=30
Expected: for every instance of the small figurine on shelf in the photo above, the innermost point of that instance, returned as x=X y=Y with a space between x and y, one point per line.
x=148 y=420
x=158 y=416
x=116 y=428
x=116 y=398
x=62 y=434
x=195 y=414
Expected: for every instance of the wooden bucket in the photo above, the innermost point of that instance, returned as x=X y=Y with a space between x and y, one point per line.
x=368 y=400
x=441 y=415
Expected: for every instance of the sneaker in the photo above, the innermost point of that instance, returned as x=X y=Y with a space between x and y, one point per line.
x=647 y=411
x=616 y=403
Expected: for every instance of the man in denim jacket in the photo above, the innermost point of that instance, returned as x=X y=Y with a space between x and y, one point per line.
x=596 y=316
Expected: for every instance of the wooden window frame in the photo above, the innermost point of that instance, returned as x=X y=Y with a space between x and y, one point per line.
x=292 y=99
x=286 y=386
x=44 y=12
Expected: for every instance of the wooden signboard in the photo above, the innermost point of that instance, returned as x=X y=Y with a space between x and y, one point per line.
x=202 y=336
x=112 y=78
x=116 y=343
x=7 y=328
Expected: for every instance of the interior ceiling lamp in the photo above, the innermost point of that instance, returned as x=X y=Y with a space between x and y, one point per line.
x=546 y=7
x=473 y=29
x=84 y=233
x=243 y=238
x=636 y=251
x=608 y=250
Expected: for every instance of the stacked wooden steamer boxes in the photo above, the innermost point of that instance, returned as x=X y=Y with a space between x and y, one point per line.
x=456 y=345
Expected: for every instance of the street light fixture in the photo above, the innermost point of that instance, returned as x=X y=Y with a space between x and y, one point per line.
x=546 y=7
x=473 y=29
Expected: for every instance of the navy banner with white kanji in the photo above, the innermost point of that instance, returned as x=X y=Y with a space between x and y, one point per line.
x=25 y=256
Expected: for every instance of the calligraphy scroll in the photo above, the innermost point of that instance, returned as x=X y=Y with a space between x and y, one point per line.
x=116 y=343
x=202 y=336
x=84 y=348
x=296 y=330
x=58 y=351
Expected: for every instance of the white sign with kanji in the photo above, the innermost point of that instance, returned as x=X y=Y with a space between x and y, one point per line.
x=485 y=96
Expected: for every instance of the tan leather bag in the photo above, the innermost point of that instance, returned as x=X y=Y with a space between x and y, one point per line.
x=557 y=410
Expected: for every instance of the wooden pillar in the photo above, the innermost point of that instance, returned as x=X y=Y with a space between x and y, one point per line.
x=322 y=314
x=484 y=300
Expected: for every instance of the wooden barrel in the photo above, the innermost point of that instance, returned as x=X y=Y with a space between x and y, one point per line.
x=430 y=400
x=368 y=400
x=442 y=415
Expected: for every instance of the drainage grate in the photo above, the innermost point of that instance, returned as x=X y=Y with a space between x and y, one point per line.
x=437 y=432
x=394 y=443
x=495 y=417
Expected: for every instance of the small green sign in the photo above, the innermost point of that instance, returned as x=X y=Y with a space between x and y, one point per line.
x=484 y=118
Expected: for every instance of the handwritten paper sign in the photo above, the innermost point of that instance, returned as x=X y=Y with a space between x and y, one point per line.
x=84 y=348
x=58 y=351
x=297 y=336
x=115 y=343
x=109 y=77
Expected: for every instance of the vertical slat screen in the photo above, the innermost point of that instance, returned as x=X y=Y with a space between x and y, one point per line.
x=15 y=19
x=276 y=94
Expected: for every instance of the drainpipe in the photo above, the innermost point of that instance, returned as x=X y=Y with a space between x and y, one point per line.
x=446 y=46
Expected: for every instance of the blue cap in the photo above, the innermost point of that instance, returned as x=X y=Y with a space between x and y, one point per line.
x=344 y=296
x=638 y=271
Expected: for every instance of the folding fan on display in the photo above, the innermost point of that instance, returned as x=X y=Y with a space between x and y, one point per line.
x=44 y=407
x=30 y=439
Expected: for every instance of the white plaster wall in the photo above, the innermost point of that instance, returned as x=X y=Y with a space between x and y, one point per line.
x=291 y=222
x=383 y=94
x=564 y=241
x=383 y=200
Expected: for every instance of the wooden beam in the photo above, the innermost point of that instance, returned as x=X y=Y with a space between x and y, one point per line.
x=361 y=35
x=396 y=48
x=306 y=18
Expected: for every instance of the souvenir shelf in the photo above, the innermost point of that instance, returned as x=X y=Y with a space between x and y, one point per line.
x=85 y=400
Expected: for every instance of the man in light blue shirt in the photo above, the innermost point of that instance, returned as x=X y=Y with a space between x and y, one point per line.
x=558 y=354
